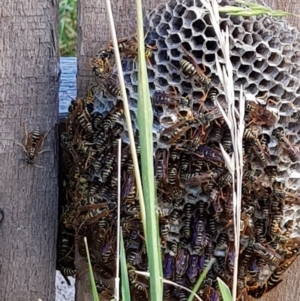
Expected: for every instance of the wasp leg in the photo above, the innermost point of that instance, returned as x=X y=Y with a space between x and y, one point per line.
x=23 y=147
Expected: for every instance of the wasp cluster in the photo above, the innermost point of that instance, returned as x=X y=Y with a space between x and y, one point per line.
x=194 y=186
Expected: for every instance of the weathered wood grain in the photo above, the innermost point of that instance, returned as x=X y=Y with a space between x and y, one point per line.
x=29 y=73
x=94 y=31
x=93 y=34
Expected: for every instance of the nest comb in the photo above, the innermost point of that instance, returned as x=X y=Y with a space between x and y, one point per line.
x=194 y=185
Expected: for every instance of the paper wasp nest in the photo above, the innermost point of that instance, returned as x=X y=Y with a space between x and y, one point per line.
x=194 y=186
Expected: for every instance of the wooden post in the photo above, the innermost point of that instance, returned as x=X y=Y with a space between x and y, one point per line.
x=94 y=31
x=94 y=34
x=29 y=80
x=289 y=289
x=289 y=6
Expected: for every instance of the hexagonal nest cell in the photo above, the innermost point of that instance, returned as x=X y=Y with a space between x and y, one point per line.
x=194 y=185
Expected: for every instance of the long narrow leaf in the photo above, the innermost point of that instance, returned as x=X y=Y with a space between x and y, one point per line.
x=91 y=274
x=145 y=122
x=225 y=291
x=201 y=279
x=124 y=274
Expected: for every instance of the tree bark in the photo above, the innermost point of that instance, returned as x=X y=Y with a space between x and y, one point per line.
x=29 y=78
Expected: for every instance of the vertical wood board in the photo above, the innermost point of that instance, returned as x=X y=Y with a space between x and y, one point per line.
x=29 y=77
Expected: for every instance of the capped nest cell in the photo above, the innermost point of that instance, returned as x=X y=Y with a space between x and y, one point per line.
x=194 y=186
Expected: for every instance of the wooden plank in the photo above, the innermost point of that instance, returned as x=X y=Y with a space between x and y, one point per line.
x=288 y=290
x=94 y=32
x=29 y=80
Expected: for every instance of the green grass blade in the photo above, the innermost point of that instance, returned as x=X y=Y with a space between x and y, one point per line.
x=252 y=10
x=201 y=279
x=91 y=274
x=124 y=274
x=224 y=289
x=145 y=122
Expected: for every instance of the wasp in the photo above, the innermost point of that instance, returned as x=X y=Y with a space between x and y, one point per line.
x=129 y=46
x=114 y=115
x=97 y=119
x=190 y=68
x=107 y=169
x=34 y=141
x=174 y=217
x=112 y=87
x=219 y=270
x=173 y=133
x=108 y=250
x=136 y=283
x=172 y=174
x=292 y=151
x=212 y=115
x=216 y=135
x=103 y=270
x=260 y=115
x=264 y=208
x=193 y=268
x=129 y=190
x=164 y=229
x=102 y=230
x=169 y=266
x=275 y=222
x=94 y=213
x=275 y=277
x=226 y=141
x=222 y=241
x=289 y=225
x=100 y=63
x=194 y=138
x=224 y=179
x=132 y=210
x=186 y=229
x=65 y=247
x=272 y=172
x=292 y=246
x=92 y=91
x=210 y=154
x=251 y=135
x=182 y=262
x=170 y=98
x=117 y=130
x=196 y=179
x=200 y=238
x=83 y=119
x=66 y=272
x=268 y=254
x=246 y=216
x=257 y=292
x=132 y=224
x=260 y=230
x=184 y=165
x=161 y=164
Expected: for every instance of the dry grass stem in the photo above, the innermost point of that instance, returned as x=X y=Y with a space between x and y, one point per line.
x=127 y=114
x=234 y=163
